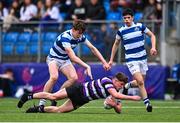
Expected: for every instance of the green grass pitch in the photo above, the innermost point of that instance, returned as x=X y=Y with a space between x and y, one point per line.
x=164 y=111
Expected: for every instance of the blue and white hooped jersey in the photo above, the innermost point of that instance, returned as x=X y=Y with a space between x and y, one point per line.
x=64 y=40
x=133 y=41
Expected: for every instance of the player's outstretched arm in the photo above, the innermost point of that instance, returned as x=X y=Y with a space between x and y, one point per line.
x=77 y=60
x=153 y=50
x=113 y=51
x=96 y=52
x=117 y=108
x=112 y=102
x=117 y=95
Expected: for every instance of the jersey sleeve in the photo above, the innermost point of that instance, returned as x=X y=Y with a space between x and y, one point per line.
x=144 y=28
x=118 y=35
x=107 y=83
x=65 y=42
x=84 y=39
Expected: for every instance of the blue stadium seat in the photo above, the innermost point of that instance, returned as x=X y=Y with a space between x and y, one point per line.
x=11 y=37
x=24 y=37
x=33 y=49
x=22 y=42
x=75 y=50
x=63 y=15
x=8 y=42
x=67 y=26
x=148 y=40
x=114 y=15
x=88 y=36
x=35 y=36
x=106 y=5
x=21 y=49
x=46 y=47
x=85 y=50
x=33 y=44
x=138 y=16
x=50 y=37
x=7 y=49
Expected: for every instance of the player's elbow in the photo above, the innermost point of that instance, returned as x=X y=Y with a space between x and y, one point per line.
x=116 y=95
x=117 y=43
x=53 y=97
x=72 y=57
x=93 y=49
x=152 y=35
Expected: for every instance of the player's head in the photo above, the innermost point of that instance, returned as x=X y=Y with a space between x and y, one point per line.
x=119 y=80
x=78 y=29
x=128 y=16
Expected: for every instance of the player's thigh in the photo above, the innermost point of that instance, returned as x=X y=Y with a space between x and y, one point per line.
x=53 y=68
x=138 y=77
x=61 y=94
x=69 y=71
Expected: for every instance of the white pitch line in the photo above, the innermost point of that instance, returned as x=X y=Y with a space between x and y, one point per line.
x=138 y=107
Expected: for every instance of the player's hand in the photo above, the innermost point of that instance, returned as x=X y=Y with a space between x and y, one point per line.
x=110 y=101
x=110 y=63
x=136 y=98
x=106 y=66
x=153 y=51
x=88 y=72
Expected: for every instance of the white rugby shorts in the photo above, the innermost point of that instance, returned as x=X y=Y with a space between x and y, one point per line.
x=137 y=66
x=60 y=63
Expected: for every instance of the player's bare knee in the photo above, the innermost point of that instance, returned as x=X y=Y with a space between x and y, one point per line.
x=73 y=78
x=140 y=83
x=59 y=110
x=54 y=78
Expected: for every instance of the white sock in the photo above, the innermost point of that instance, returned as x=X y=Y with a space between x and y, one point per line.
x=127 y=85
x=42 y=102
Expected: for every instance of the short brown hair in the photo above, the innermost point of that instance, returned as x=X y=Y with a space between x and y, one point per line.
x=79 y=25
x=122 y=77
x=128 y=11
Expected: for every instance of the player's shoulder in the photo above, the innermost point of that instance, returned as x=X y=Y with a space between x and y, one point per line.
x=66 y=34
x=122 y=28
x=107 y=79
x=138 y=24
x=83 y=36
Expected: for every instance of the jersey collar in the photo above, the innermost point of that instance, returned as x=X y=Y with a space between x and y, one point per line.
x=129 y=26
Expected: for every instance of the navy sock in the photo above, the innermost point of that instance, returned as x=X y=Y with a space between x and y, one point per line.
x=30 y=96
x=41 y=108
x=146 y=101
x=130 y=85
